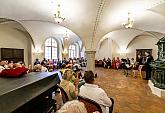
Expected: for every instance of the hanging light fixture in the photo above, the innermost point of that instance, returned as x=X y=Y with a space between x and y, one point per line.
x=66 y=35
x=130 y=22
x=57 y=17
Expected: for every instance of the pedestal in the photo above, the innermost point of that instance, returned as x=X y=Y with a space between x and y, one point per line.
x=90 y=56
x=156 y=91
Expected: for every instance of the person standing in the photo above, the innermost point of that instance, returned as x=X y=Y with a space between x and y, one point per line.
x=117 y=63
x=113 y=63
x=140 y=60
x=148 y=61
x=108 y=62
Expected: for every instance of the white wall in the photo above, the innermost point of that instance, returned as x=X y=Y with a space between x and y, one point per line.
x=11 y=38
x=82 y=52
x=104 y=50
x=140 y=42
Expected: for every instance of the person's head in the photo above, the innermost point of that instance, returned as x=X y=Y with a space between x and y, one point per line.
x=63 y=66
x=66 y=62
x=68 y=74
x=3 y=62
x=89 y=77
x=37 y=59
x=132 y=59
x=73 y=106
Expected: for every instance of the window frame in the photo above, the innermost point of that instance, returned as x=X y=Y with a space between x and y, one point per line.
x=70 y=49
x=51 y=46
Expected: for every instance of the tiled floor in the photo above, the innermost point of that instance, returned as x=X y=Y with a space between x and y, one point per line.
x=131 y=95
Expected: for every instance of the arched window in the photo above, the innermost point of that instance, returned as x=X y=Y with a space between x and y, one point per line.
x=50 y=49
x=72 y=51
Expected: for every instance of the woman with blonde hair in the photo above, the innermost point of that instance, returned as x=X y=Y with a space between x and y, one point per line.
x=74 y=106
x=70 y=88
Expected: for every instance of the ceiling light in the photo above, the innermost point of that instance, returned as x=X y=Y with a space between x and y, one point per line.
x=130 y=22
x=66 y=36
x=57 y=16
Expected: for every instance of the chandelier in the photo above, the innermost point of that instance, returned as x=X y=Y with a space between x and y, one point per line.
x=57 y=17
x=130 y=22
x=66 y=35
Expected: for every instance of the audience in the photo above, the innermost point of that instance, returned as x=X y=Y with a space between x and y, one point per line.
x=94 y=92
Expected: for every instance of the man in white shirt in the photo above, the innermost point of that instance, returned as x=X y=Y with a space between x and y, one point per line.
x=93 y=92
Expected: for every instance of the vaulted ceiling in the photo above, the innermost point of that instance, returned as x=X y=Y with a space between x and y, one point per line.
x=90 y=20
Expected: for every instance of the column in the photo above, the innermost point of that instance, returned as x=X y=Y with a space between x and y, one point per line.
x=90 y=56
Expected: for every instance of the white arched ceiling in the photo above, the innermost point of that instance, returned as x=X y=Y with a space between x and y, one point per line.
x=123 y=37
x=42 y=30
x=89 y=19
x=17 y=26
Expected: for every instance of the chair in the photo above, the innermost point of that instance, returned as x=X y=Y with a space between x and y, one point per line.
x=138 y=72
x=96 y=63
x=100 y=63
x=90 y=105
x=64 y=95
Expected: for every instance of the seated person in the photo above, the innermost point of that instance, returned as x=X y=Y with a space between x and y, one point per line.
x=68 y=65
x=48 y=62
x=43 y=67
x=37 y=68
x=36 y=61
x=44 y=61
x=73 y=106
x=63 y=67
x=59 y=64
x=76 y=67
x=70 y=88
x=93 y=92
x=2 y=63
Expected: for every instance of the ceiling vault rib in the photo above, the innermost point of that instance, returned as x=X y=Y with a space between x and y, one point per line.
x=99 y=12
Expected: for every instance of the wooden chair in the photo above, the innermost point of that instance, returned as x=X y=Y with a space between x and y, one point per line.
x=64 y=95
x=138 y=72
x=90 y=105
